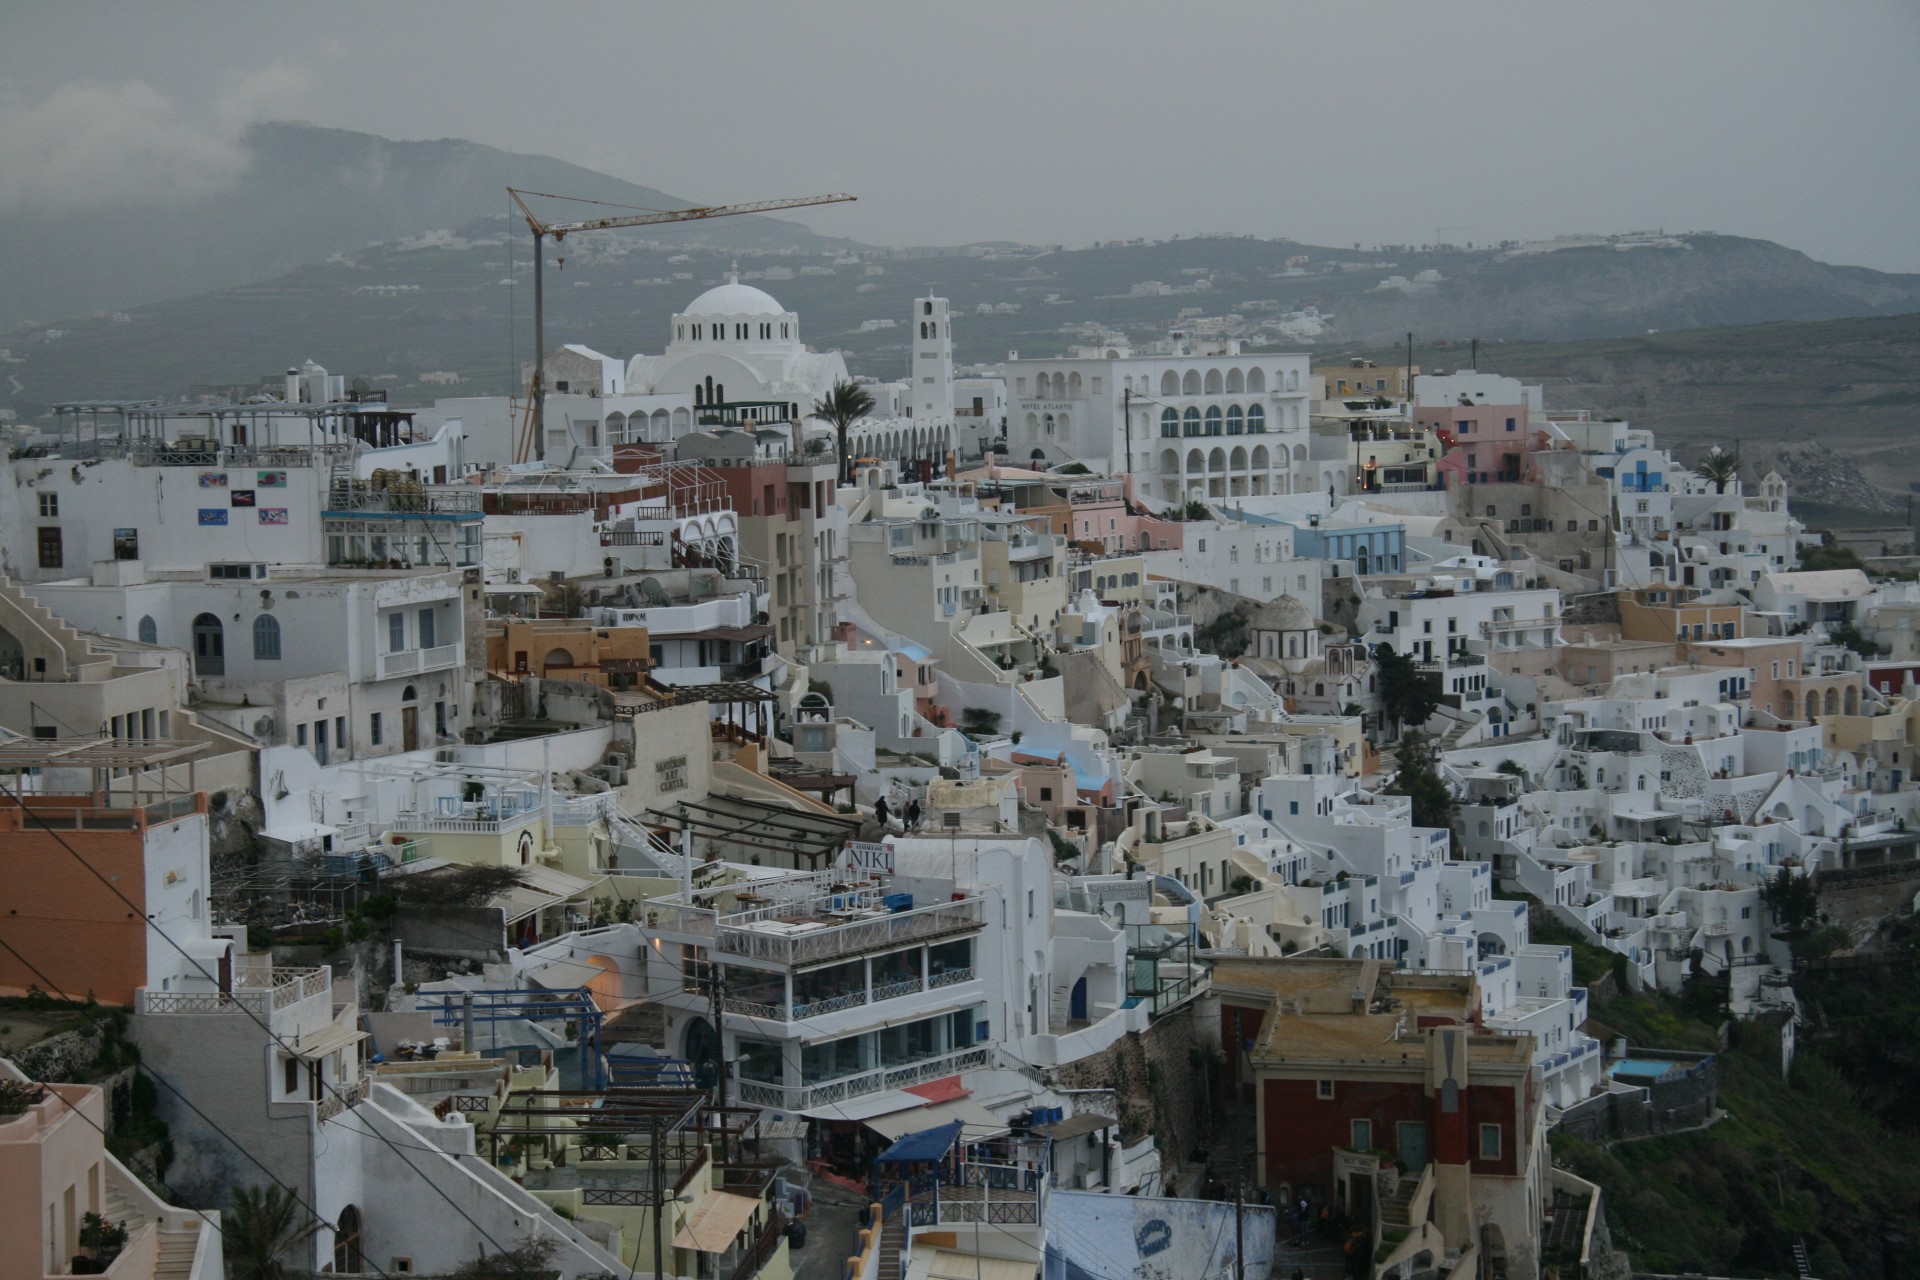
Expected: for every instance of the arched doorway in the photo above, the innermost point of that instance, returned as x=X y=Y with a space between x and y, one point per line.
x=209 y=646
x=1077 y=1001
x=347 y=1255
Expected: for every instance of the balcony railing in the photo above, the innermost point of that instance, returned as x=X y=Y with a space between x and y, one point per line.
x=258 y=992
x=339 y=1099
x=798 y=1097
x=828 y=941
x=413 y=661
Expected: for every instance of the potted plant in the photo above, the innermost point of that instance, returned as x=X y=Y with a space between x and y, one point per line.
x=103 y=1242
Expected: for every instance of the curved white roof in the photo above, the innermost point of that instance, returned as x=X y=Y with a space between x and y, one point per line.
x=734 y=299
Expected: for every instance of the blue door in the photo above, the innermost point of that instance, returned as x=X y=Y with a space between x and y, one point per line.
x=1077 y=1002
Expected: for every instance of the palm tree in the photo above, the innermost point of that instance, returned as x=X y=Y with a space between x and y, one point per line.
x=843 y=406
x=263 y=1223
x=1720 y=467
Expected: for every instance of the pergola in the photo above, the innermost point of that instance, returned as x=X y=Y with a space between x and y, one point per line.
x=765 y=828
x=107 y=760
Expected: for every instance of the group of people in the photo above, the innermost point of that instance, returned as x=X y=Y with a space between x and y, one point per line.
x=909 y=816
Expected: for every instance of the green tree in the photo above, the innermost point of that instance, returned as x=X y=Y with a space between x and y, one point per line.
x=1406 y=696
x=1419 y=779
x=1720 y=467
x=1794 y=901
x=844 y=405
x=263 y=1224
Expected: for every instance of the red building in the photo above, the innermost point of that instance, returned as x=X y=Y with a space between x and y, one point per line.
x=1376 y=1092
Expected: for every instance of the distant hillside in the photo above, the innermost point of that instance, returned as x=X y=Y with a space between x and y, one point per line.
x=1835 y=405
x=308 y=193
x=319 y=251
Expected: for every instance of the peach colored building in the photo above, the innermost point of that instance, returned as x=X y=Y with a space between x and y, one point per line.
x=1095 y=511
x=55 y=1169
x=87 y=872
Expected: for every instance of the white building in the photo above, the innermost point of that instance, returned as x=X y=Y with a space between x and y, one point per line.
x=1188 y=425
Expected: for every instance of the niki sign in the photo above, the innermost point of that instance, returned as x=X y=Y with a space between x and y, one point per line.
x=876 y=858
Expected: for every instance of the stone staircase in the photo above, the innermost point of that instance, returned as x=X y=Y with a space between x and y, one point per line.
x=1395 y=1205
x=177 y=1247
x=893 y=1241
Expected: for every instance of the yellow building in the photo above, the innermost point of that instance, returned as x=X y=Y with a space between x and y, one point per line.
x=568 y=649
x=1672 y=613
x=1364 y=378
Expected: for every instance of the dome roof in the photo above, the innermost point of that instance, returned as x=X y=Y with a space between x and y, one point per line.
x=735 y=299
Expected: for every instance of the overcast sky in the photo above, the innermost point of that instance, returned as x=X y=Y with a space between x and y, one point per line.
x=1330 y=123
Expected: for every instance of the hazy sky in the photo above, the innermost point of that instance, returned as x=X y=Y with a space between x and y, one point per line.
x=1796 y=121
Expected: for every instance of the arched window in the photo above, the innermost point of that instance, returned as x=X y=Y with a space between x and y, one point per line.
x=149 y=633
x=1169 y=425
x=1235 y=383
x=1169 y=383
x=1256 y=420
x=926 y=308
x=1235 y=424
x=266 y=638
x=1191 y=420
x=1256 y=380
x=1190 y=385
x=1213 y=419
x=1213 y=382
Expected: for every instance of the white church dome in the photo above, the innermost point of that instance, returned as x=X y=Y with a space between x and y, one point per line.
x=734 y=299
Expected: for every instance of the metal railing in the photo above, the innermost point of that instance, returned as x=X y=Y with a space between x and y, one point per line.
x=950 y=977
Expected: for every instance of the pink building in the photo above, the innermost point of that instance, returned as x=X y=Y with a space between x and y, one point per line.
x=55 y=1169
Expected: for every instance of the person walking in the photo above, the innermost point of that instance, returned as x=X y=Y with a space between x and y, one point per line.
x=880 y=812
x=913 y=814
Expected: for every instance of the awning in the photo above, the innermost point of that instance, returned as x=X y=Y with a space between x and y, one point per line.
x=926 y=1144
x=716 y=1222
x=978 y=1123
x=1077 y=1126
x=945 y=1264
x=322 y=1043
x=539 y=888
x=866 y=1106
x=945 y=1089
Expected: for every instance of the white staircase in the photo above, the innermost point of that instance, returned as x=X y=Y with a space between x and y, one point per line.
x=178 y=1244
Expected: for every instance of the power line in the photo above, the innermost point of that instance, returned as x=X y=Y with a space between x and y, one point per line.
x=253 y=1017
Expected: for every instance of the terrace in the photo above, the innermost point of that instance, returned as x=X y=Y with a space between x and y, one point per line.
x=810 y=918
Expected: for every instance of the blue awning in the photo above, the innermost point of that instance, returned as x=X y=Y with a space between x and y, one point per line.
x=927 y=1144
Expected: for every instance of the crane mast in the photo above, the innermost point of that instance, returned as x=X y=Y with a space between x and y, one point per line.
x=559 y=231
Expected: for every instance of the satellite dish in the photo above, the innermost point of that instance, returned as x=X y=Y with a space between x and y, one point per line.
x=362 y=386
x=654 y=592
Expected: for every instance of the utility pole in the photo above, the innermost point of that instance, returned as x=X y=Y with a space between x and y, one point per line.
x=658 y=1162
x=717 y=987
x=1409 y=369
x=539 y=347
x=1239 y=1223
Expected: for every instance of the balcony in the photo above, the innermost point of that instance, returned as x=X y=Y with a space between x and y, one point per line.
x=801 y=1097
x=409 y=662
x=792 y=941
x=259 y=992
x=339 y=1099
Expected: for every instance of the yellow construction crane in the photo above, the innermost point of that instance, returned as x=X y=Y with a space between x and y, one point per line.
x=559 y=231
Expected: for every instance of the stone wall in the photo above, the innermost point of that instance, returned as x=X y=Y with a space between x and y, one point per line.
x=1164 y=1079
x=1680 y=1100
